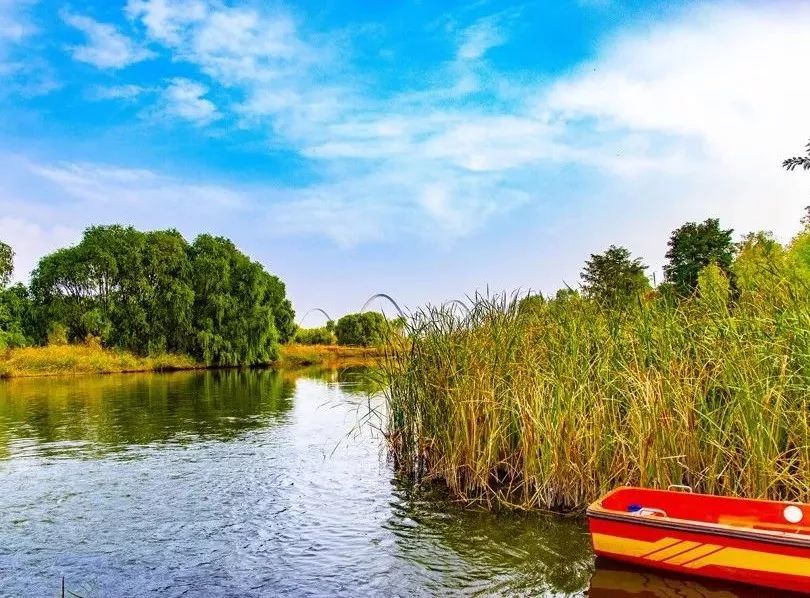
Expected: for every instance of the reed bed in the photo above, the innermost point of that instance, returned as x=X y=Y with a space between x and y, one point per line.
x=532 y=403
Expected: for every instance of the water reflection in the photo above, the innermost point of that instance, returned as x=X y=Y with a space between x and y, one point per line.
x=252 y=483
x=616 y=580
x=57 y=415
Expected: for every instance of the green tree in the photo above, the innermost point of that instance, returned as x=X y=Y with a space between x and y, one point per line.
x=15 y=316
x=234 y=297
x=61 y=293
x=15 y=306
x=283 y=312
x=167 y=292
x=6 y=264
x=614 y=279
x=152 y=292
x=798 y=161
x=694 y=246
x=363 y=329
x=315 y=336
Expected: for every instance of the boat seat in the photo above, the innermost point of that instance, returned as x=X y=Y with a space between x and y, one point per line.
x=754 y=523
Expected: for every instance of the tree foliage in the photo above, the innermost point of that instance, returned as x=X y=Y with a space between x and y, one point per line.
x=15 y=306
x=315 y=336
x=798 y=161
x=614 y=279
x=15 y=316
x=6 y=264
x=363 y=329
x=694 y=246
x=152 y=292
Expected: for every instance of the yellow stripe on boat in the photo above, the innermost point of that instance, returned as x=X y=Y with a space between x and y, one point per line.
x=672 y=551
x=754 y=560
x=629 y=546
x=693 y=555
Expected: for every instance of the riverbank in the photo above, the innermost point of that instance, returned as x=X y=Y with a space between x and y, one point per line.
x=85 y=359
x=294 y=355
x=88 y=359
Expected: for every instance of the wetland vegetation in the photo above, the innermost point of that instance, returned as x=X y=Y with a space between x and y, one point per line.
x=547 y=402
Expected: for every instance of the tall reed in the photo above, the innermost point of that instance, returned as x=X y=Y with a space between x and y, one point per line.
x=534 y=403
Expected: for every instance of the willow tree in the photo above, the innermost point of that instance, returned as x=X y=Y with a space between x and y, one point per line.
x=152 y=292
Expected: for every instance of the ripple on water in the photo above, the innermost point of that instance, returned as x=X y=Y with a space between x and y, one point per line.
x=242 y=483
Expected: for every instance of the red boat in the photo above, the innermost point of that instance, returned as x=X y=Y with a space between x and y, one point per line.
x=760 y=542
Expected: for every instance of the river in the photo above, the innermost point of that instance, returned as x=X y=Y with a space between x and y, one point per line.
x=258 y=483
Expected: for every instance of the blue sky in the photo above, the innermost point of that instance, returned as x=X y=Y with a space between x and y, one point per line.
x=422 y=149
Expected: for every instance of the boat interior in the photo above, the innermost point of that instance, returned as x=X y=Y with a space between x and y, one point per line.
x=734 y=512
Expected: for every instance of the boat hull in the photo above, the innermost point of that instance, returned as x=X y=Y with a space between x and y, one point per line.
x=647 y=542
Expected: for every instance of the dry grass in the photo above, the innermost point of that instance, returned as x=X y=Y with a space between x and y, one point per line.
x=84 y=359
x=294 y=355
x=57 y=360
x=549 y=404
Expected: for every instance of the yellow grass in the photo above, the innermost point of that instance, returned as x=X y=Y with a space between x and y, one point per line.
x=58 y=360
x=294 y=355
x=84 y=359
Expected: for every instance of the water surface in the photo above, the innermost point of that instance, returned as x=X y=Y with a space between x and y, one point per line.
x=254 y=484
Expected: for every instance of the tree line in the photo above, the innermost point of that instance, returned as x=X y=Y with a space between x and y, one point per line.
x=615 y=279
x=149 y=293
x=363 y=329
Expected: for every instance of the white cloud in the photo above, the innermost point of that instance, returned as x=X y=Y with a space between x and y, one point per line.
x=102 y=185
x=117 y=92
x=700 y=109
x=495 y=143
x=715 y=73
x=14 y=25
x=184 y=98
x=696 y=112
x=166 y=20
x=480 y=37
x=106 y=48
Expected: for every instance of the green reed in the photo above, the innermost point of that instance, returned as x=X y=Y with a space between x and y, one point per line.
x=532 y=403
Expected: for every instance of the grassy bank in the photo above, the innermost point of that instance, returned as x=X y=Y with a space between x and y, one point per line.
x=294 y=355
x=548 y=404
x=89 y=359
x=84 y=359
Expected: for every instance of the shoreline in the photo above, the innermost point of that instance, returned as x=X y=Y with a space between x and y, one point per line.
x=82 y=360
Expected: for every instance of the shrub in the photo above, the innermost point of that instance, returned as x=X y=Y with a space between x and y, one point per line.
x=315 y=336
x=363 y=329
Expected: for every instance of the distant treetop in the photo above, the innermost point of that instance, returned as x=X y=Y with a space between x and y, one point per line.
x=6 y=264
x=694 y=246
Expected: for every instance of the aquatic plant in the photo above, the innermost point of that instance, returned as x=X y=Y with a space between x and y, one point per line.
x=530 y=402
